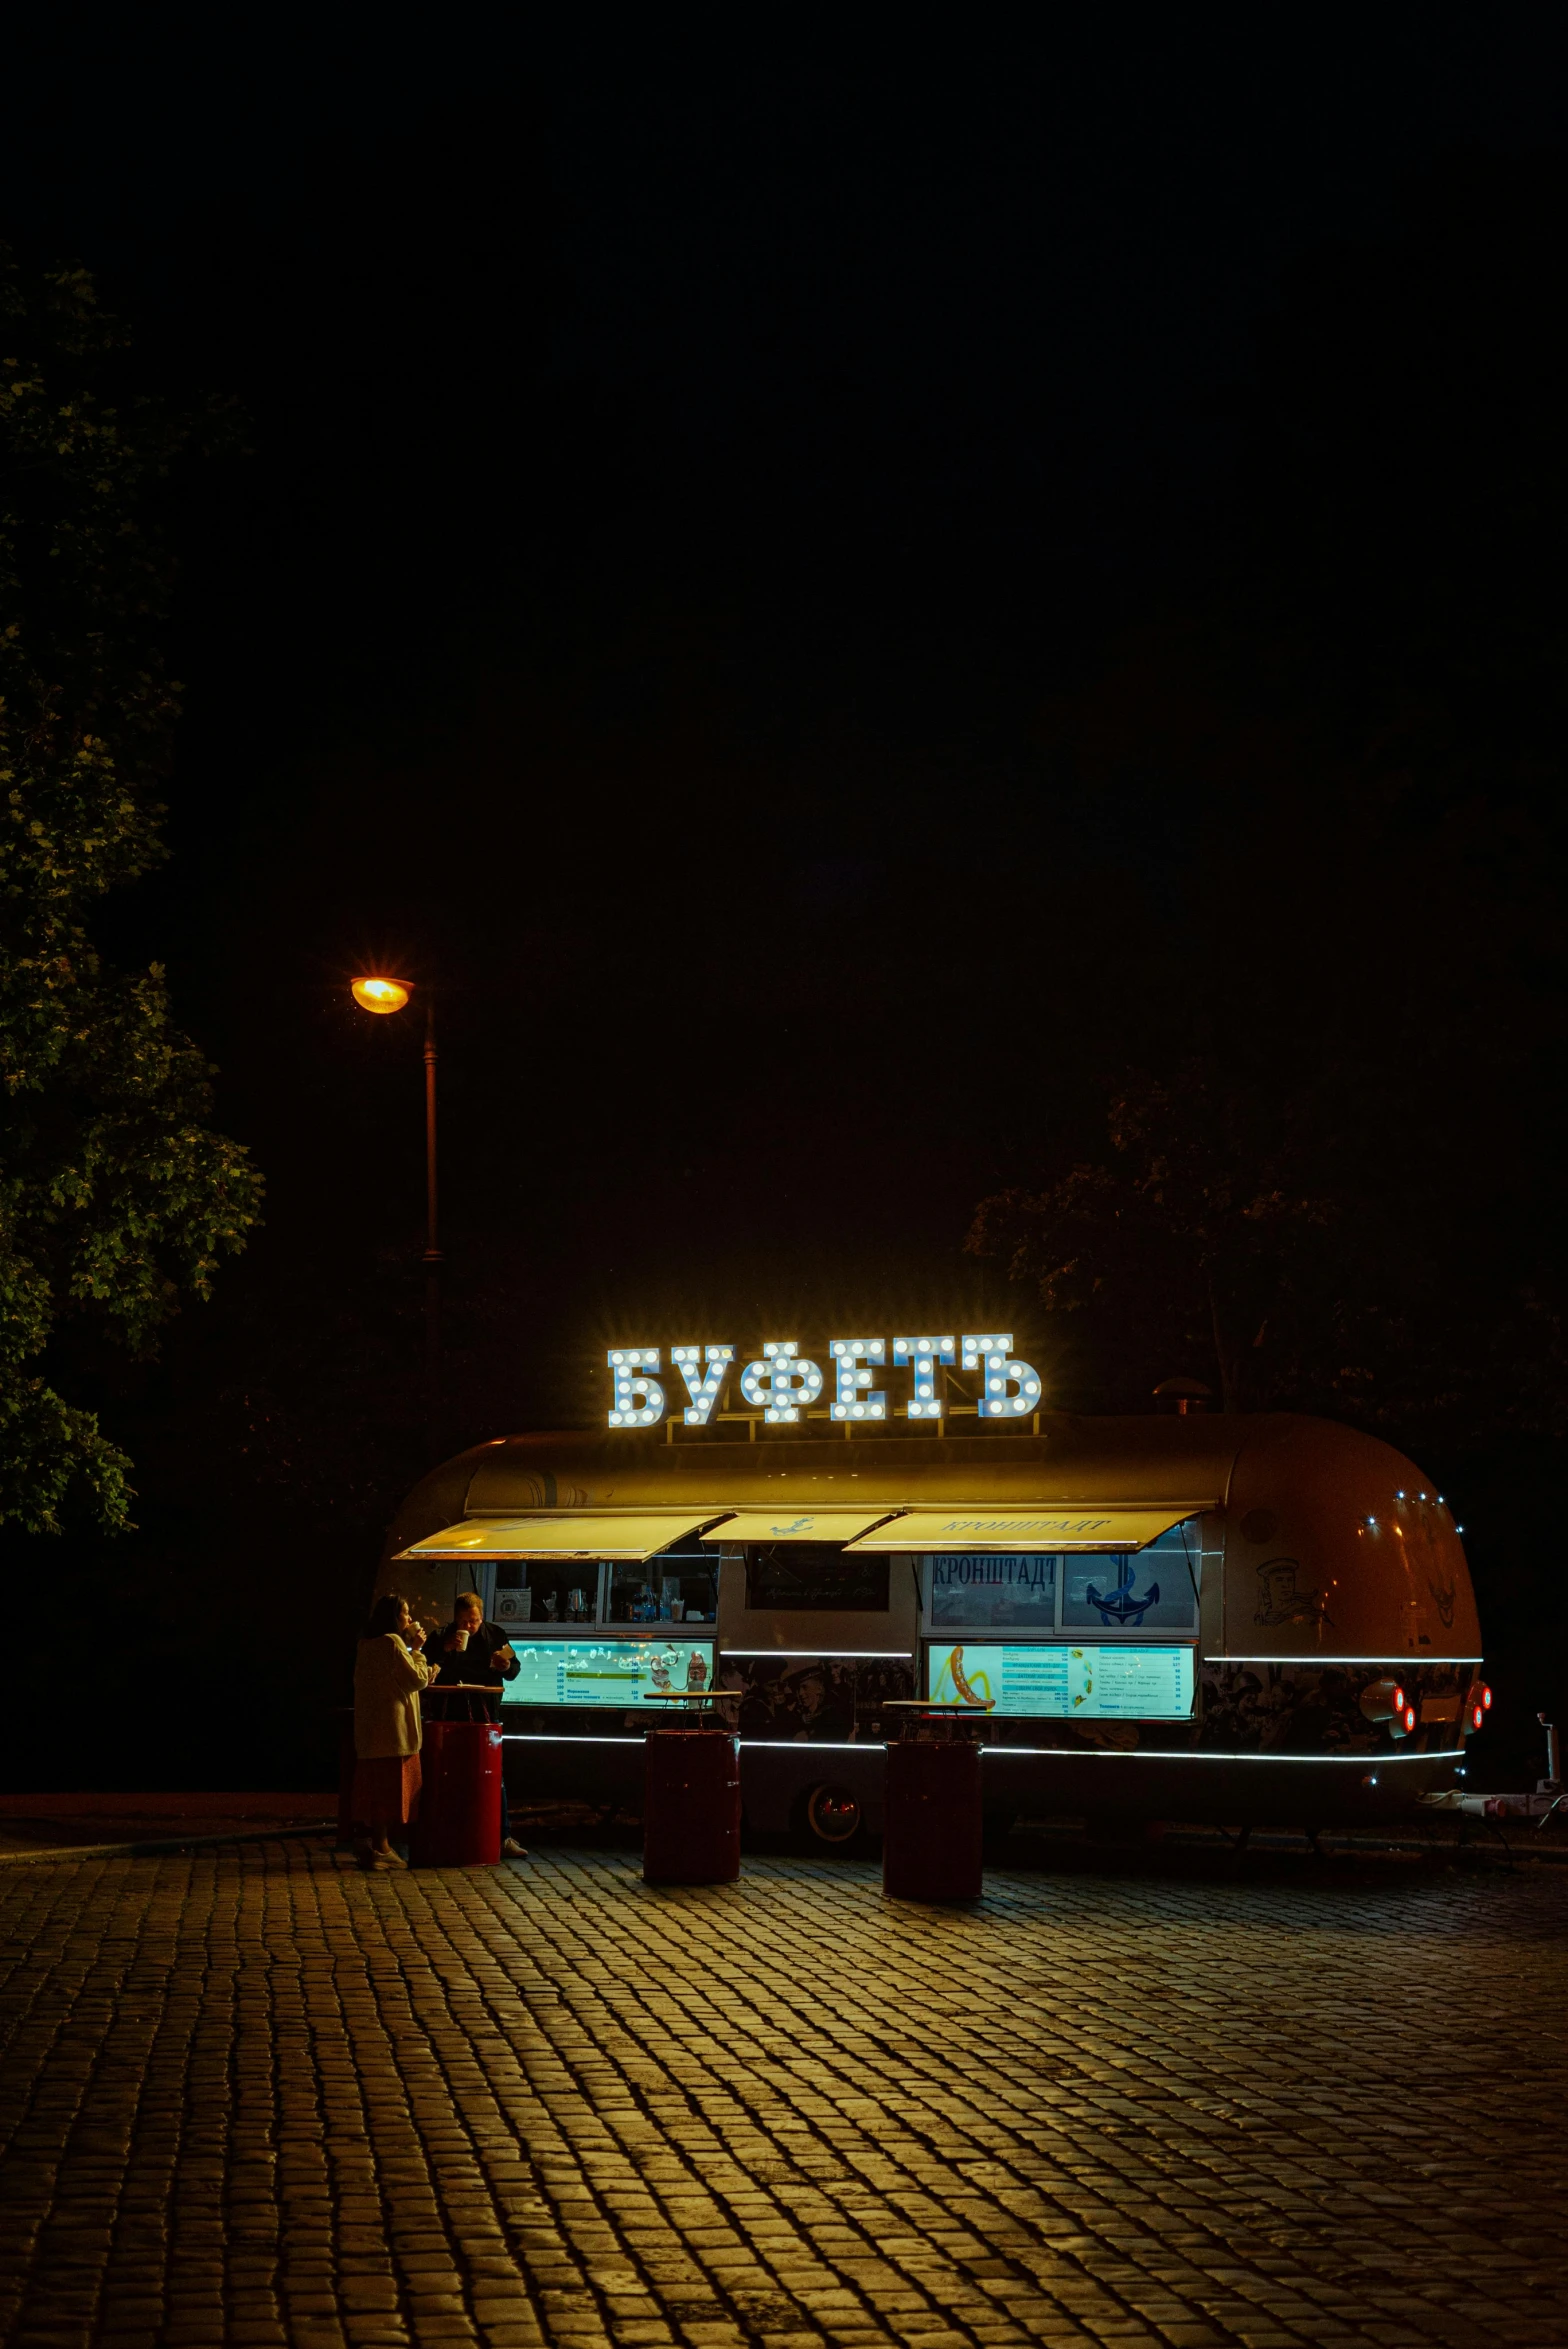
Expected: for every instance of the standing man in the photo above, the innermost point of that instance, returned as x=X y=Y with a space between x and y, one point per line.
x=470 y=1650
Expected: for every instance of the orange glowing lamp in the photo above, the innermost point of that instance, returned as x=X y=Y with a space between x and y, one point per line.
x=380 y=994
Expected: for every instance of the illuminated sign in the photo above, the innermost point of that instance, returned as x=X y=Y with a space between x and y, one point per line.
x=783 y=1383
x=610 y=1672
x=704 y=1386
x=1060 y=1683
x=925 y=1353
x=1010 y=1387
x=852 y=1356
x=639 y=1399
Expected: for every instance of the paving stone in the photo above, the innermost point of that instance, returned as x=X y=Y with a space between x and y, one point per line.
x=252 y=2099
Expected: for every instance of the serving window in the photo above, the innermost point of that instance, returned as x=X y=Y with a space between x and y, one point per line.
x=816 y=1578
x=666 y=1589
x=566 y=1594
x=547 y=1590
x=1107 y=1595
x=988 y=1591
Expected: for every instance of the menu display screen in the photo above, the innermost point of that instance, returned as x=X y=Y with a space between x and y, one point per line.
x=609 y=1671
x=1061 y=1683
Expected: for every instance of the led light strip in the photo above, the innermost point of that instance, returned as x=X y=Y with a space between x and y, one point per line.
x=530 y=1737
x=1056 y=1753
x=865 y=1655
x=1405 y=1659
x=783 y=1745
x=1063 y=1753
x=790 y=1745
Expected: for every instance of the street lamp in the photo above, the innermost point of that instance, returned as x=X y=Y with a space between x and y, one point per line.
x=380 y=994
x=389 y=995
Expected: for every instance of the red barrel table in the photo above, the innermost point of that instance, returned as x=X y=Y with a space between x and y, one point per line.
x=459 y=1822
x=932 y=1819
x=691 y=1807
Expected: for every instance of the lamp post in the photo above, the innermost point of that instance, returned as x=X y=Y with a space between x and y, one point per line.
x=391 y=995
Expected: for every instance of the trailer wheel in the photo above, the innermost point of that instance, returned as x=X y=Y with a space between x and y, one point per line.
x=832 y=1815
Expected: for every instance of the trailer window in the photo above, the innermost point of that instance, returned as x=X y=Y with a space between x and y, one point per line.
x=990 y=1592
x=668 y=1589
x=796 y=1576
x=1145 y=1590
x=547 y=1590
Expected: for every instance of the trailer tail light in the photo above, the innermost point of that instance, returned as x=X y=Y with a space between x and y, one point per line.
x=1404 y=1717
x=1486 y=1699
x=1477 y=1716
x=1409 y=1718
x=1399 y=1700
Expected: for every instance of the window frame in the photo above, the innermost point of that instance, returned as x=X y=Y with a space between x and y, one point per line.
x=1075 y=1634
x=540 y=1627
x=759 y=1606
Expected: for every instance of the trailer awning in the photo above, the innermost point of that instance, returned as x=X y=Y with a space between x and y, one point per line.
x=1026 y=1529
x=578 y=1533
x=798 y=1525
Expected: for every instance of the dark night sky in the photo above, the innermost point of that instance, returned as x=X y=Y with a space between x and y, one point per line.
x=816 y=573
x=689 y=453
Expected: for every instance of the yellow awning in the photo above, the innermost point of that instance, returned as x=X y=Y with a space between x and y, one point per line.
x=578 y=1533
x=1025 y=1529
x=797 y=1525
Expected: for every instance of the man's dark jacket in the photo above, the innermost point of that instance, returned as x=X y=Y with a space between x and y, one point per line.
x=476 y=1662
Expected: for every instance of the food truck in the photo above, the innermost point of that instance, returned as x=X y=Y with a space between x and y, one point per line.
x=1186 y=1615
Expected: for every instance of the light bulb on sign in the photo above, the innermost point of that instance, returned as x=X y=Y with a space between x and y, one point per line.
x=925 y=1354
x=852 y=1399
x=781 y=1381
x=638 y=1400
x=995 y=1352
x=704 y=1388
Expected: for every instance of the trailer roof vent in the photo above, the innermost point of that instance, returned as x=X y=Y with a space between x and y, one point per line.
x=1183 y=1395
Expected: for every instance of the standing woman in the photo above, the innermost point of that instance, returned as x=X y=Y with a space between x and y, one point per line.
x=389 y=1673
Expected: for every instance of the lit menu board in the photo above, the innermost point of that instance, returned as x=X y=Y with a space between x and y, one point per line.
x=1067 y=1683
x=608 y=1671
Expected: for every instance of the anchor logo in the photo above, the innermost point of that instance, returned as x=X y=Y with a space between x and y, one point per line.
x=1444 y=1602
x=800 y=1526
x=1122 y=1604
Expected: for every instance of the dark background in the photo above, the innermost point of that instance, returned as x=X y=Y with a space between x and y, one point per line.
x=737 y=581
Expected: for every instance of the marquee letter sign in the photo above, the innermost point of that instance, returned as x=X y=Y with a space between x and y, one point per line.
x=1001 y=1376
x=704 y=1387
x=852 y=1400
x=925 y=1353
x=638 y=1400
x=783 y=1383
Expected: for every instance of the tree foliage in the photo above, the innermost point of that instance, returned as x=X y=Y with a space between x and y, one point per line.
x=115 y=1195
x=1224 y=1234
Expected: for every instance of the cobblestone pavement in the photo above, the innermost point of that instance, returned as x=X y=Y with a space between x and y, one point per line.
x=253 y=2097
